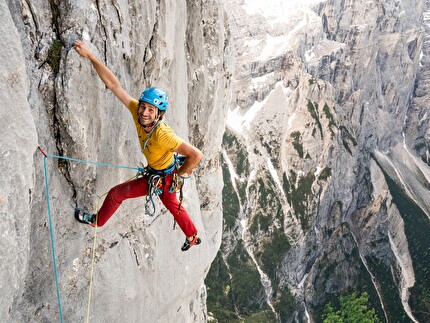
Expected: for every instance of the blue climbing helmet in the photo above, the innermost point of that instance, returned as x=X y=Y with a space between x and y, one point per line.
x=155 y=96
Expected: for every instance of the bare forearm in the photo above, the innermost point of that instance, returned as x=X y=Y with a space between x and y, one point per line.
x=190 y=163
x=105 y=74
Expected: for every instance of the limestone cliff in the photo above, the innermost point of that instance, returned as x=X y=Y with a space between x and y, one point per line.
x=326 y=172
x=53 y=98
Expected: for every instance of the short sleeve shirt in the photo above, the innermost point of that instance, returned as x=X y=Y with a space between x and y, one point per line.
x=163 y=141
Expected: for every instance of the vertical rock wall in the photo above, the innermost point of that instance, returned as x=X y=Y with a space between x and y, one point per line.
x=54 y=98
x=19 y=139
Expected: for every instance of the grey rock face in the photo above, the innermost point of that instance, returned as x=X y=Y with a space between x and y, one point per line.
x=334 y=197
x=19 y=138
x=53 y=98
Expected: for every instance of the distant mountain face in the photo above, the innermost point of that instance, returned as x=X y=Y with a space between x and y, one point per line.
x=326 y=161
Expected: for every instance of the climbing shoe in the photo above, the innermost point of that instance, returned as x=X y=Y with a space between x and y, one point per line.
x=188 y=244
x=85 y=217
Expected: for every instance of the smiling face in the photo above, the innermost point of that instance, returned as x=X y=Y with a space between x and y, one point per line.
x=147 y=114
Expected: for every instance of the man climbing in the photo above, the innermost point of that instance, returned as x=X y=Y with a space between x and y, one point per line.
x=159 y=144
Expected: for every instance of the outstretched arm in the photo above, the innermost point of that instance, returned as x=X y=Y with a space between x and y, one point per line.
x=193 y=155
x=105 y=74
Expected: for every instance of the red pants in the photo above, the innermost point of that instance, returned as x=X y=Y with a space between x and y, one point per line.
x=137 y=188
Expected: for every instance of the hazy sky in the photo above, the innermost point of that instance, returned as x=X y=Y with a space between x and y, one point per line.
x=277 y=8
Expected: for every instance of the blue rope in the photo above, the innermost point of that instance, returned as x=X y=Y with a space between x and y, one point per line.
x=52 y=237
x=140 y=169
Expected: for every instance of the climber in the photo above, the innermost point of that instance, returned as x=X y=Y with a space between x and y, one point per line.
x=159 y=144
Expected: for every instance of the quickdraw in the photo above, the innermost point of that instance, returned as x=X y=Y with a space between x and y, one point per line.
x=177 y=185
x=155 y=187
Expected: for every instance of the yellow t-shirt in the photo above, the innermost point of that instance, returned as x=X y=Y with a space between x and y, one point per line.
x=161 y=145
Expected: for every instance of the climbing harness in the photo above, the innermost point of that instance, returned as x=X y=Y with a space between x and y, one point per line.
x=156 y=180
x=51 y=231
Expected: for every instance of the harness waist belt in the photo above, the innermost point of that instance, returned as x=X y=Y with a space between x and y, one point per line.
x=163 y=172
